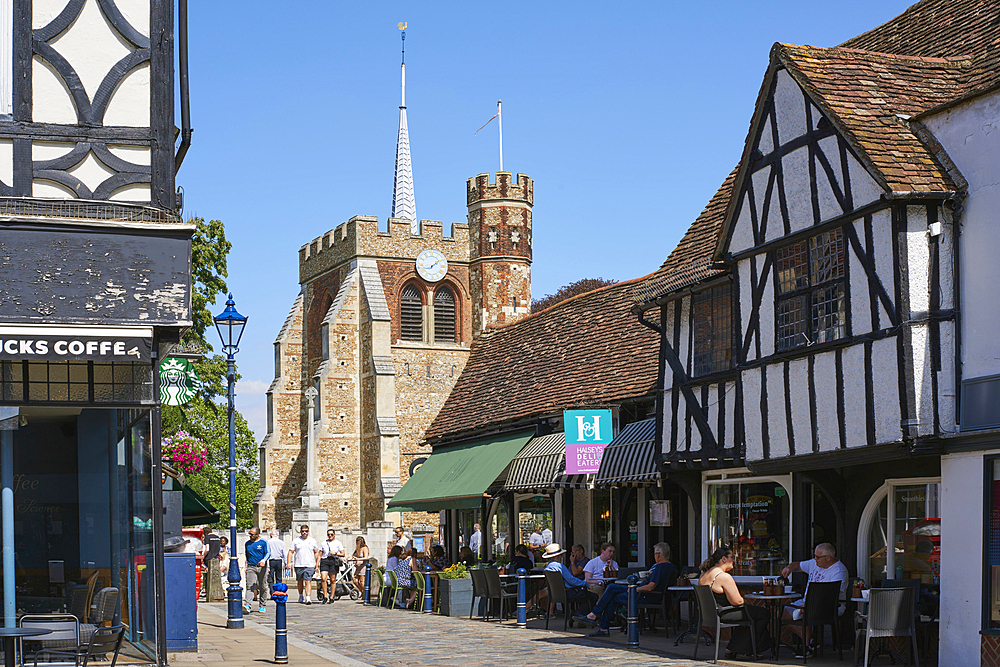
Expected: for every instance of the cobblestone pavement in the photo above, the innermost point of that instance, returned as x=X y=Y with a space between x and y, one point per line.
x=386 y=638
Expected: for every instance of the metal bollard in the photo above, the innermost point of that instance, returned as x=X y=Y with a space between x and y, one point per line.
x=633 y=611
x=368 y=582
x=428 y=591
x=234 y=590
x=522 y=603
x=280 y=597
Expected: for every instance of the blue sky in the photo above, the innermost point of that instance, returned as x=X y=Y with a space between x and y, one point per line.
x=628 y=118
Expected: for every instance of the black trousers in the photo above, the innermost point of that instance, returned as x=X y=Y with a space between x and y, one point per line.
x=739 y=639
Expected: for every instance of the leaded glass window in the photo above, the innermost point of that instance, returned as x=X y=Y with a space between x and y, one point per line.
x=713 y=330
x=811 y=305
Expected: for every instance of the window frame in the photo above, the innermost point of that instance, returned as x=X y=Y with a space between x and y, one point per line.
x=455 y=313
x=809 y=292
x=698 y=341
x=421 y=293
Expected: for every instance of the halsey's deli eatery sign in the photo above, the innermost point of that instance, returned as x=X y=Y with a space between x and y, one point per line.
x=587 y=433
x=42 y=343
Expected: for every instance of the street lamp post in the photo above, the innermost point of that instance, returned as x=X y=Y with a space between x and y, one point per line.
x=230 y=326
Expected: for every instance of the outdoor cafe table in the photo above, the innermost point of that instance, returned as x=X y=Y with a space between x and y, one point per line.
x=10 y=634
x=775 y=604
x=528 y=592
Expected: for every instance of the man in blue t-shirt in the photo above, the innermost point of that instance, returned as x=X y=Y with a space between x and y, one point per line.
x=257 y=553
x=651 y=589
x=576 y=588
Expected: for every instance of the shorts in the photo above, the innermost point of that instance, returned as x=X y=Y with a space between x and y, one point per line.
x=304 y=573
x=329 y=565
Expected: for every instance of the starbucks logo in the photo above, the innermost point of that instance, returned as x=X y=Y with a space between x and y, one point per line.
x=178 y=381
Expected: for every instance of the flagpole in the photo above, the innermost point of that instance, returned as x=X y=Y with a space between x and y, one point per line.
x=500 y=123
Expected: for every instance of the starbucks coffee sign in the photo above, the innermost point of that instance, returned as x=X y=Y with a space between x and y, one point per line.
x=178 y=381
x=43 y=343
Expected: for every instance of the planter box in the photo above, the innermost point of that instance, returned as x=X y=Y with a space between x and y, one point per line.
x=456 y=596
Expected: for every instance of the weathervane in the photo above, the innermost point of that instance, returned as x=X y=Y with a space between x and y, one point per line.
x=500 y=125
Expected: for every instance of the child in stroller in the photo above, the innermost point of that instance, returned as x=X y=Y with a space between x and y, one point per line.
x=340 y=584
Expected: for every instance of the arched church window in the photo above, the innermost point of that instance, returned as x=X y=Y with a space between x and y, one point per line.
x=444 y=315
x=411 y=319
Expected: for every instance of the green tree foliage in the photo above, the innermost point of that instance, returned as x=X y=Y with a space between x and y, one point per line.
x=206 y=415
x=573 y=289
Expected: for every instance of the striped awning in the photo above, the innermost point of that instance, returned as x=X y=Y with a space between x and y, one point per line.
x=631 y=456
x=542 y=467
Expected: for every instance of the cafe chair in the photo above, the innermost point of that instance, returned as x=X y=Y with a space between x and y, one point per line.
x=557 y=595
x=392 y=588
x=78 y=603
x=708 y=615
x=496 y=590
x=103 y=612
x=421 y=581
x=890 y=614
x=649 y=610
x=820 y=609
x=102 y=642
x=480 y=591
x=64 y=632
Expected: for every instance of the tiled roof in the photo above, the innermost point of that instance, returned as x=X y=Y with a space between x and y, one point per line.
x=865 y=94
x=587 y=350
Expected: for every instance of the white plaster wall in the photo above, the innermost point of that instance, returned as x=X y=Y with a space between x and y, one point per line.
x=682 y=349
x=917 y=259
x=43 y=11
x=92 y=46
x=798 y=385
x=882 y=243
x=136 y=12
x=665 y=372
x=789 y=107
x=861 y=318
x=946 y=267
x=694 y=442
x=742 y=237
x=730 y=437
x=855 y=416
x=864 y=188
x=129 y=106
x=970 y=133
x=777 y=433
x=766 y=144
x=798 y=195
x=827 y=421
x=921 y=359
x=6 y=57
x=961 y=559
x=767 y=313
x=829 y=207
x=712 y=410
x=140 y=155
x=7 y=161
x=947 y=414
x=137 y=192
x=746 y=304
x=91 y=171
x=751 y=415
x=50 y=190
x=885 y=390
x=51 y=99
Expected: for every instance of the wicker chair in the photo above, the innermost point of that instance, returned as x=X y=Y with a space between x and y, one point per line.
x=708 y=615
x=890 y=614
x=102 y=642
x=821 y=603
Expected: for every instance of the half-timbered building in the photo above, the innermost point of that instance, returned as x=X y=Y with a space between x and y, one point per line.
x=856 y=390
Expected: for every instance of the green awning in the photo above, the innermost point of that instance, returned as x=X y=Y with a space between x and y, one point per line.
x=457 y=477
x=195 y=510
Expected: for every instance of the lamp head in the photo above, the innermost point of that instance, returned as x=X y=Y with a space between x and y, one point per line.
x=230 y=325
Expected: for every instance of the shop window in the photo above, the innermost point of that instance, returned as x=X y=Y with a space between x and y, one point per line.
x=444 y=315
x=901 y=527
x=76 y=382
x=411 y=316
x=713 y=330
x=750 y=517
x=811 y=305
x=500 y=529
x=992 y=533
x=603 y=530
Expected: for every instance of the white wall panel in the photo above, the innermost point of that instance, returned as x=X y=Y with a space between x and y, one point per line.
x=50 y=190
x=730 y=399
x=137 y=192
x=92 y=46
x=134 y=154
x=665 y=372
x=946 y=268
x=798 y=385
x=766 y=143
x=751 y=414
x=767 y=314
x=712 y=410
x=829 y=207
x=861 y=314
x=52 y=102
x=864 y=188
x=6 y=57
x=798 y=194
x=789 y=107
x=777 y=425
x=682 y=349
x=694 y=444
x=91 y=172
x=43 y=11
x=917 y=259
x=129 y=106
x=947 y=415
x=855 y=415
x=883 y=244
x=827 y=420
x=136 y=12
x=886 y=390
x=742 y=237
x=7 y=161
x=746 y=305
x=922 y=387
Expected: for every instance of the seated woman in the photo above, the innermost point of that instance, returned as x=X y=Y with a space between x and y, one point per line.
x=520 y=560
x=404 y=573
x=466 y=557
x=438 y=561
x=715 y=573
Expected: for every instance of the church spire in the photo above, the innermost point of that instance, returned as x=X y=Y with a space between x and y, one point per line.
x=403 y=203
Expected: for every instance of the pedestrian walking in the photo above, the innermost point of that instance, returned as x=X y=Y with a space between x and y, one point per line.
x=304 y=556
x=275 y=558
x=257 y=564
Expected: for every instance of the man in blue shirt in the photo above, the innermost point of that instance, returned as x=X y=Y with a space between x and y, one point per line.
x=257 y=556
x=651 y=590
x=576 y=589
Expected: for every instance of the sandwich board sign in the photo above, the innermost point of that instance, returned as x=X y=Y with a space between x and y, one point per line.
x=587 y=433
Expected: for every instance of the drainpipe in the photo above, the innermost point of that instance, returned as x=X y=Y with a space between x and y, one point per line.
x=182 y=44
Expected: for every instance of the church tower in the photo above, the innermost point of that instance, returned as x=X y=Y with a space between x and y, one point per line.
x=404 y=204
x=500 y=249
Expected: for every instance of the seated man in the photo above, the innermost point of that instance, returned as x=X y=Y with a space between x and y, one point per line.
x=823 y=567
x=576 y=589
x=651 y=590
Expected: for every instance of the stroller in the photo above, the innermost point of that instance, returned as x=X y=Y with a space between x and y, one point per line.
x=342 y=584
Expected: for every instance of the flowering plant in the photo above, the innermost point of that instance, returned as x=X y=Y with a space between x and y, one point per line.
x=184 y=451
x=456 y=571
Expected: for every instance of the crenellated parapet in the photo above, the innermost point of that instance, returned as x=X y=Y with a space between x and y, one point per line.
x=479 y=188
x=360 y=237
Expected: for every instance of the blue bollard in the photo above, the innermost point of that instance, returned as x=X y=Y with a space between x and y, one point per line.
x=235 y=591
x=633 y=611
x=522 y=594
x=280 y=597
x=368 y=582
x=428 y=591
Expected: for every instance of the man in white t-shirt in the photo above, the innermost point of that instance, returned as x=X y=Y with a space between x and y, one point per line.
x=595 y=568
x=823 y=567
x=536 y=542
x=331 y=560
x=401 y=539
x=304 y=554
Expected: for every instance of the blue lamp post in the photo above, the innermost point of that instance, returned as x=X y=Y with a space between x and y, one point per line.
x=230 y=325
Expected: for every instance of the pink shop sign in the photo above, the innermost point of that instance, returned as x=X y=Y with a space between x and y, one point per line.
x=583 y=459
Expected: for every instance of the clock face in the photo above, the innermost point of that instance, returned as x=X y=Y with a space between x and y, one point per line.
x=432 y=265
